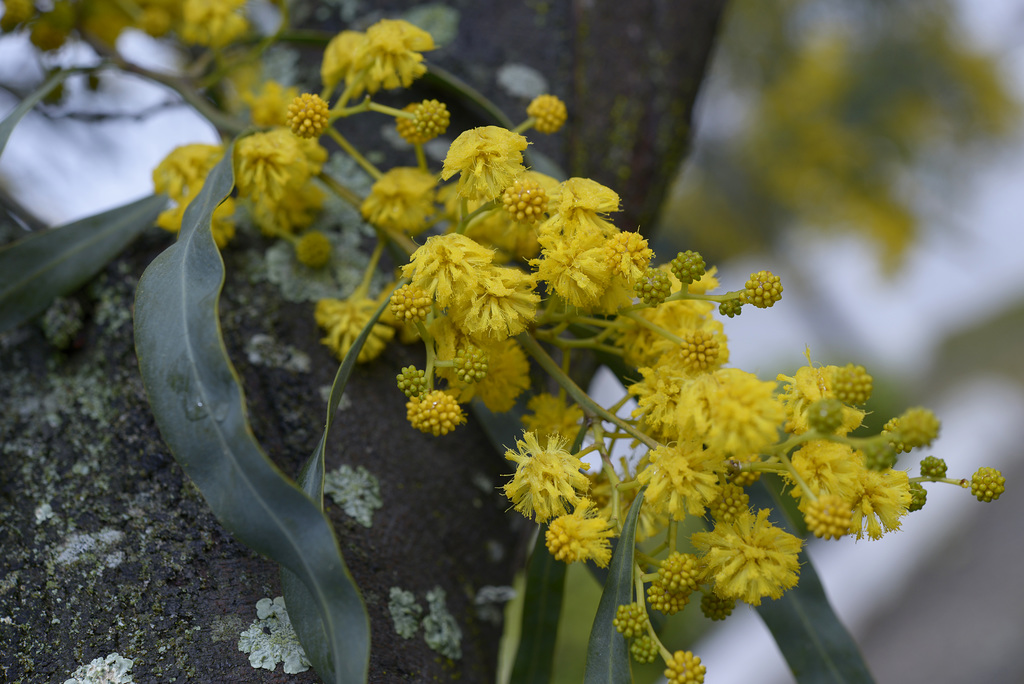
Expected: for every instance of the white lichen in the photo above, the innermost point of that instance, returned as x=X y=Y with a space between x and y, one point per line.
x=405 y=612
x=264 y=350
x=77 y=545
x=437 y=19
x=490 y=600
x=440 y=630
x=110 y=670
x=356 y=490
x=43 y=513
x=271 y=639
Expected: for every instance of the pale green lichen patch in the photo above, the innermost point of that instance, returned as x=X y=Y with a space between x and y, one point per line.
x=264 y=350
x=405 y=612
x=113 y=669
x=62 y=322
x=271 y=639
x=356 y=490
x=78 y=546
x=490 y=602
x=440 y=630
x=520 y=80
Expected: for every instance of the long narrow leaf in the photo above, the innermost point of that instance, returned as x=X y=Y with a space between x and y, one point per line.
x=542 y=607
x=26 y=105
x=43 y=266
x=816 y=645
x=302 y=608
x=196 y=397
x=607 y=653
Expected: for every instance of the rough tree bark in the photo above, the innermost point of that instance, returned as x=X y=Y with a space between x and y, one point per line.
x=107 y=547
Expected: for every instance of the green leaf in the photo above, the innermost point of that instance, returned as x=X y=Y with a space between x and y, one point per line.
x=607 y=653
x=45 y=265
x=197 y=400
x=815 y=644
x=26 y=105
x=302 y=606
x=542 y=607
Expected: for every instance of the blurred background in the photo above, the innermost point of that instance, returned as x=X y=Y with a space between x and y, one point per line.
x=872 y=155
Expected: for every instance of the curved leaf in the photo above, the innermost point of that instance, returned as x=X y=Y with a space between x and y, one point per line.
x=302 y=607
x=26 y=105
x=197 y=400
x=816 y=645
x=43 y=266
x=607 y=652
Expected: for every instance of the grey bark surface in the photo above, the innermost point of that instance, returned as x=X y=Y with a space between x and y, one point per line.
x=132 y=561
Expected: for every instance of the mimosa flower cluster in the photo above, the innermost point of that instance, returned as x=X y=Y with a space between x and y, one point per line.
x=509 y=270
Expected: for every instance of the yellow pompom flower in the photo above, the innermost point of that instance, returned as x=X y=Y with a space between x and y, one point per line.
x=574 y=267
x=410 y=304
x=503 y=307
x=431 y=120
x=344 y=319
x=643 y=346
x=435 y=413
x=308 y=115
x=313 y=249
x=269 y=164
x=550 y=415
x=742 y=413
x=749 y=558
x=213 y=23
x=581 y=205
x=580 y=536
x=828 y=517
x=550 y=113
x=390 y=55
x=684 y=668
x=402 y=199
x=681 y=479
x=628 y=255
x=547 y=479
x=806 y=386
x=883 y=498
x=269 y=107
x=487 y=160
x=446 y=264
x=340 y=57
x=828 y=468
x=508 y=376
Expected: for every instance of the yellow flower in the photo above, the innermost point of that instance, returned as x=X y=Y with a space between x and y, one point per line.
x=808 y=385
x=580 y=536
x=744 y=417
x=214 y=23
x=581 y=204
x=339 y=57
x=749 y=558
x=508 y=376
x=550 y=415
x=681 y=479
x=436 y=413
x=828 y=468
x=269 y=107
x=389 y=56
x=628 y=255
x=445 y=264
x=882 y=499
x=504 y=306
x=343 y=320
x=547 y=479
x=550 y=113
x=295 y=211
x=268 y=164
x=487 y=160
x=643 y=346
x=575 y=268
x=402 y=199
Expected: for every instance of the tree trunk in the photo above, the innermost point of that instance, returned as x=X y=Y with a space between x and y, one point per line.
x=108 y=548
